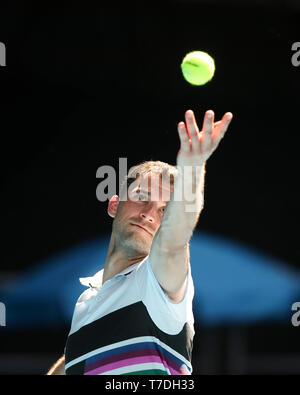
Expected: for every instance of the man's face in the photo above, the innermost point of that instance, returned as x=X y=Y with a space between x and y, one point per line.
x=138 y=218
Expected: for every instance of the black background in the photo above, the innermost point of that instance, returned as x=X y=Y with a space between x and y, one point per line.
x=88 y=83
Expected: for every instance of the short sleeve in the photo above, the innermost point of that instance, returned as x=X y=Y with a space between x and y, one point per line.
x=166 y=313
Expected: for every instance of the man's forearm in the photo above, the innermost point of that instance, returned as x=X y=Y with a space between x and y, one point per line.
x=181 y=215
x=184 y=208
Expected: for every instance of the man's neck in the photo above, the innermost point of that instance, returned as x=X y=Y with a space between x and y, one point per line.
x=117 y=261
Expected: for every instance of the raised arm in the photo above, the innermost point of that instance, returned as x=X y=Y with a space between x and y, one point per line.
x=169 y=256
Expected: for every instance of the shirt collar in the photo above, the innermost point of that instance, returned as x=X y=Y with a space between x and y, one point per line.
x=95 y=281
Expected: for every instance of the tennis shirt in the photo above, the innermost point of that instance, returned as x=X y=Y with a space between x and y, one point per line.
x=129 y=325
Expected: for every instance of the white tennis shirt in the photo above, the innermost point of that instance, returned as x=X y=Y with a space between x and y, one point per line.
x=129 y=325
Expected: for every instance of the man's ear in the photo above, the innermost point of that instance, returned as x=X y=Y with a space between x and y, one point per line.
x=113 y=206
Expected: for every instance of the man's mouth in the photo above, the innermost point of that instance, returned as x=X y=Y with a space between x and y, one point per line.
x=141 y=227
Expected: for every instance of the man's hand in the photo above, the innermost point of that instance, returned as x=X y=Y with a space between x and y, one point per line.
x=197 y=146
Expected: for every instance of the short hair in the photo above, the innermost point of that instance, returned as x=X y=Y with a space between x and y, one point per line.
x=162 y=169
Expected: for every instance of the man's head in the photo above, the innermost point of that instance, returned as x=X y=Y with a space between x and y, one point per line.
x=138 y=211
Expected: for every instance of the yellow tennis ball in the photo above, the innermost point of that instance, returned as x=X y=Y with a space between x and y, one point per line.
x=198 y=67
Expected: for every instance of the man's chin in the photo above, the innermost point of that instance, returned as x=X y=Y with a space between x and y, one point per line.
x=138 y=244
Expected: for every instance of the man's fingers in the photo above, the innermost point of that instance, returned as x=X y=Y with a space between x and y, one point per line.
x=184 y=137
x=221 y=128
x=192 y=129
x=207 y=129
x=210 y=136
x=208 y=121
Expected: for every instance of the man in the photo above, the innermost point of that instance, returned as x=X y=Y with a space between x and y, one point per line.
x=136 y=317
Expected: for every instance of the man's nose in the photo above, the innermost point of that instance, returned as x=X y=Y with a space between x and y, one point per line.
x=148 y=214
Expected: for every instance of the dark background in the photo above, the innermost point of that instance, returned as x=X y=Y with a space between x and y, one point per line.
x=86 y=84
